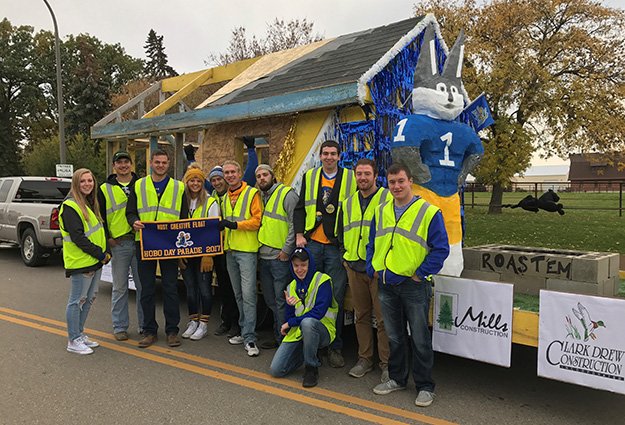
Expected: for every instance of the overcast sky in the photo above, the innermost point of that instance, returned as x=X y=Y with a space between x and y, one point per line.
x=192 y=29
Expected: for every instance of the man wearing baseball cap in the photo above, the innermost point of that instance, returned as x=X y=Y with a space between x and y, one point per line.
x=113 y=197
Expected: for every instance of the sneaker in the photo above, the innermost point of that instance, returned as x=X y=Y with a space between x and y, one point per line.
x=361 y=368
x=89 y=342
x=222 y=329
x=147 y=340
x=121 y=336
x=200 y=332
x=191 y=328
x=78 y=346
x=387 y=387
x=236 y=340
x=311 y=377
x=252 y=349
x=173 y=340
x=234 y=331
x=424 y=398
x=336 y=358
x=385 y=376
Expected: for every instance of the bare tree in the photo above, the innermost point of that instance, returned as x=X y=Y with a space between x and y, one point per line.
x=280 y=35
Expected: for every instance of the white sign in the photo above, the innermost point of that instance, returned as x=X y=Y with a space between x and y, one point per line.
x=473 y=319
x=107 y=276
x=64 y=170
x=581 y=339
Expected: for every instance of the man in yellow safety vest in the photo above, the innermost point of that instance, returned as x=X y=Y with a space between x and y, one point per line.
x=407 y=245
x=323 y=189
x=157 y=197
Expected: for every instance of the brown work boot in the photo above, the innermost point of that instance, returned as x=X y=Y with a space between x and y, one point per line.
x=173 y=340
x=121 y=336
x=147 y=340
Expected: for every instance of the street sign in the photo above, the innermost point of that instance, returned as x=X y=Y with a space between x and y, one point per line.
x=64 y=170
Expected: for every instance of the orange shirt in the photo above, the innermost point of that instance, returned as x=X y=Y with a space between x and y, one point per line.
x=253 y=223
x=327 y=185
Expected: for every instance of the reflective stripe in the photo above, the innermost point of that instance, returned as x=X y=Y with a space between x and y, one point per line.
x=350 y=178
x=411 y=234
x=90 y=231
x=365 y=223
x=275 y=216
x=114 y=205
x=277 y=195
x=313 y=185
x=144 y=196
x=147 y=209
x=172 y=210
x=244 y=206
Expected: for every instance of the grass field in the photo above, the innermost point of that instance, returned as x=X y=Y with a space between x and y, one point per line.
x=584 y=226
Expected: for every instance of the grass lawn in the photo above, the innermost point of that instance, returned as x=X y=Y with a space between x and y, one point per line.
x=583 y=227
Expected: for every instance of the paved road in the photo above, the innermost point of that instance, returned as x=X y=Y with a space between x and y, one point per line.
x=212 y=382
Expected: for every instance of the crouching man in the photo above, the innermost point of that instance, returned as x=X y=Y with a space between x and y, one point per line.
x=310 y=320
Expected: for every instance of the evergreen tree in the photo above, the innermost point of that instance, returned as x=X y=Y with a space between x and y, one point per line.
x=445 y=318
x=156 y=66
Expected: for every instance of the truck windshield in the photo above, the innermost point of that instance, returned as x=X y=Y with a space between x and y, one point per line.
x=42 y=191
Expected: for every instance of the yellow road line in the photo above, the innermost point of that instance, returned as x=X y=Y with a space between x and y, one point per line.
x=255 y=374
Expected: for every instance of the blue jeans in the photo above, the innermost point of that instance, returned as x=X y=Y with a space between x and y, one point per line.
x=242 y=272
x=409 y=301
x=275 y=275
x=291 y=355
x=123 y=259
x=81 y=297
x=329 y=261
x=199 y=291
x=169 y=280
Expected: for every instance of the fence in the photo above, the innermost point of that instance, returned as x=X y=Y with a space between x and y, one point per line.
x=592 y=195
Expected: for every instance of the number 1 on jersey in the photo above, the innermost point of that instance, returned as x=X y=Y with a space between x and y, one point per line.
x=447 y=137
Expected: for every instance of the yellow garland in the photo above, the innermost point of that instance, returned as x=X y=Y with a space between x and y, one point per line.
x=283 y=163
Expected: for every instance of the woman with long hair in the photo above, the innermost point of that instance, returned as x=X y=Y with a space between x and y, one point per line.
x=197 y=272
x=84 y=254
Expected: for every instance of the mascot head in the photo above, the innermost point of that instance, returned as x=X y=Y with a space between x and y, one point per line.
x=437 y=95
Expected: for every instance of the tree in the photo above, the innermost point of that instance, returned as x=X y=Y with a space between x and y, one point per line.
x=81 y=152
x=445 y=317
x=156 y=66
x=280 y=35
x=553 y=71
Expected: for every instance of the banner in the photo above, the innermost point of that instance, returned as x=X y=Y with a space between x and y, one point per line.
x=162 y=240
x=581 y=339
x=473 y=319
x=107 y=275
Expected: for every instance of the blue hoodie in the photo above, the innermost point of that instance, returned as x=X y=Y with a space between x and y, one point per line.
x=324 y=295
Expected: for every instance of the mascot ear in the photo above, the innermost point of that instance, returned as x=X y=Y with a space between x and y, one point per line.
x=452 y=72
x=427 y=65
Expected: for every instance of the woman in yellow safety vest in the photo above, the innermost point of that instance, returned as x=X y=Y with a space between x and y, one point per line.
x=197 y=272
x=84 y=254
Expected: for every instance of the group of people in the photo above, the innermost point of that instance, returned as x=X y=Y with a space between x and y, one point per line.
x=342 y=227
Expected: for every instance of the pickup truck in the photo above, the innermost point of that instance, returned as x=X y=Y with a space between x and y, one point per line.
x=29 y=215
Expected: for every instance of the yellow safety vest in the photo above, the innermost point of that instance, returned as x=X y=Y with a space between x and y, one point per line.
x=151 y=208
x=401 y=245
x=311 y=179
x=116 y=201
x=356 y=224
x=74 y=257
x=202 y=211
x=301 y=308
x=274 y=227
x=240 y=240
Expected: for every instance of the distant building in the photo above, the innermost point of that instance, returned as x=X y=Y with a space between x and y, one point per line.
x=597 y=171
x=554 y=177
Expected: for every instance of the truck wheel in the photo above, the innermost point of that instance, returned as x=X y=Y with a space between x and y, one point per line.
x=33 y=254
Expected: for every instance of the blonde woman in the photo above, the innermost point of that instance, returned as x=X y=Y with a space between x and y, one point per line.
x=84 y=254
x=197 y=271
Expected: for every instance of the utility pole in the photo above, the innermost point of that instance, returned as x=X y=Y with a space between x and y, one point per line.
x=59 y=85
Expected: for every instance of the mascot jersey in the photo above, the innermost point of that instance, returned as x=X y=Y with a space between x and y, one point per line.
x=443 y=146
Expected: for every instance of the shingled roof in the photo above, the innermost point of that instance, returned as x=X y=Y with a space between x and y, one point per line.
x=342 y=60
